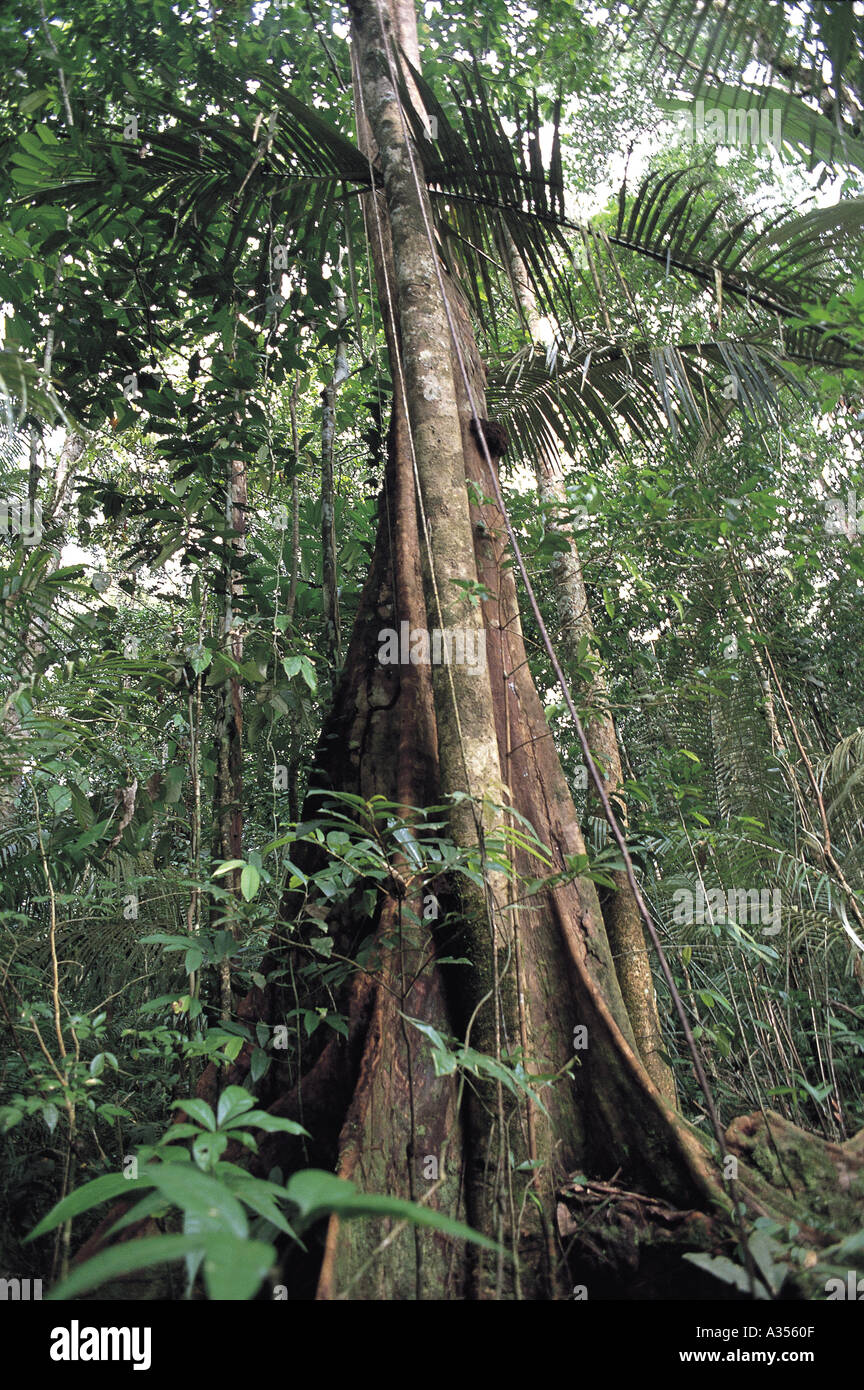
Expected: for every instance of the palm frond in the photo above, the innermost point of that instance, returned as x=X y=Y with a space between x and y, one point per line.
x=617 y=392
x=774 y=267
x=24 y=394
x=809 y=65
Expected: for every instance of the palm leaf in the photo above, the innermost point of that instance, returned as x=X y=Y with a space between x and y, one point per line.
x=619 y=391
x=815 y=52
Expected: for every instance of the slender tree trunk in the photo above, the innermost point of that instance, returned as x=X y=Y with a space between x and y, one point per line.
x=328 y=497
x=295 y=502
x=229 y=721
x=623 y=921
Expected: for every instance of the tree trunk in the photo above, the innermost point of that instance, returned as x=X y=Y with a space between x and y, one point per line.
x=623 y=921
x=399 y=732
x=329 y=563
x=228 y=789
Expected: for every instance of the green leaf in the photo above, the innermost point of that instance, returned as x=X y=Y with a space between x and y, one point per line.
x=102 y=1189
x=259 y=1064
x=271 y=1124
x=235 y=1269
x=207 y=1148
x=193 y=1191
x=33 y=101
x=124 y=1259
x=429 y=1032
x=233 y=1101
x=250 y=880
x=307 y=671
x=852 y=1246
x=727 y=1272
x=317 y=1193
x=227 y=866
x=197 y=1110
x=262 y=1200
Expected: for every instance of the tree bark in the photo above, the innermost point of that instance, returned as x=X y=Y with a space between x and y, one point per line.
x=330 y=578
x=228 y=788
